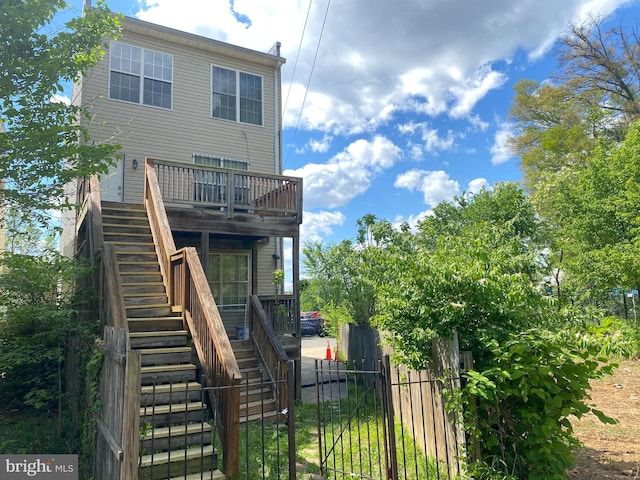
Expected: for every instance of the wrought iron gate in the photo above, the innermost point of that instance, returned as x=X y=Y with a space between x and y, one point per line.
x=386 y=424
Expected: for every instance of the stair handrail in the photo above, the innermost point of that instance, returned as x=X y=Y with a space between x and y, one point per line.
x=270 y=349
x=189 y=292
x=123 y=439
x=109 y=288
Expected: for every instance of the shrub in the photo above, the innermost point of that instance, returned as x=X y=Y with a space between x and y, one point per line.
x=525 y=399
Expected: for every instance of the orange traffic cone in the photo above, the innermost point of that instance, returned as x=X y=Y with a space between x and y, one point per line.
x=328 y=356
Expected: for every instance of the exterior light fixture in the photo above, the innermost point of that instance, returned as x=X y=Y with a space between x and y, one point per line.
x=134 y=163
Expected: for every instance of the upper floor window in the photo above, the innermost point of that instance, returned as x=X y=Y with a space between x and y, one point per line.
x=215 y=161
x=237 y=96
x=139 y=75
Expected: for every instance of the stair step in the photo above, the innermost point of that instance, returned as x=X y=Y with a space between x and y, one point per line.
x=177 y=436
x=248 y=362
x=175 y=393
x=131 y=256
x=257 y=407
x=154 y=338
x=267 y=416
x=177 y=462
x=210 y=475
x=140 y=266
x=154 y=324
x=146 y=300
x=147 y=311
x=173 y=414
x=165 y=356
x=251 y=373
x=151 y=288
x=168 y=373
x=255 y=393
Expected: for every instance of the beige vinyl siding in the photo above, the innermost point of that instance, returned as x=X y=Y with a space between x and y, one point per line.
x=266 y=266
x=188 y=127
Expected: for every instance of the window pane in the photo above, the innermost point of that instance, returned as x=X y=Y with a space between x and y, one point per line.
x=214 y=267
x=250 y=99
x=157 y=93
x=125 y=87
x=224 y=81
x=250 y=111
x=224 y=106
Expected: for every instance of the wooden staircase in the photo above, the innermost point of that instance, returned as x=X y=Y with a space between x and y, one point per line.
x=178 y=441
x=257 y=399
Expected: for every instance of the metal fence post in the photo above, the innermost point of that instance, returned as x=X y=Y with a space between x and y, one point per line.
x=387 y=405
x=291 y=423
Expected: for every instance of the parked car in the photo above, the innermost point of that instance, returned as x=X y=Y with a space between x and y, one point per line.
x=311 y=325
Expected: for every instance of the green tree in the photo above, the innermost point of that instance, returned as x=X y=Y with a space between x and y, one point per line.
x=336 y=284
x=472 y=266
x=36 y=317
x=595 y=58
x=596 y=211
x=44 y=144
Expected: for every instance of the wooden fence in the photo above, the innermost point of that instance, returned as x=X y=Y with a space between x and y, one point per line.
x=418 y=395
x=118 y=423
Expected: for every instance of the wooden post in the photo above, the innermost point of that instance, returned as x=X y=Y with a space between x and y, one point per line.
x=131 y=417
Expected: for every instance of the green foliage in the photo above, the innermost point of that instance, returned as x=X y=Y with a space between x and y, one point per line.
x=525 y=398
x=472 y=267
x=45 y=145
x=37 y=317
x=93 y=404
x=610 y=337
x=595 y=209
x=336 y=281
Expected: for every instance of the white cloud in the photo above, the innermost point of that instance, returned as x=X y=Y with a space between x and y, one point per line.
x=500 y=152
x=362 y=73
x=477 y=184
x=474 y=89
x=317 y=225
x=60 y=99
x=433 y=140
x=320 y=146
x=412 y=220
x=436 y=186
x=348 y=174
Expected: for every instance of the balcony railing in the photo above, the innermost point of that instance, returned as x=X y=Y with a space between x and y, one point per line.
x=228 y=190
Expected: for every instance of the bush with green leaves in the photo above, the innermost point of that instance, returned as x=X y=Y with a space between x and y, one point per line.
x=36 y=319
x=525 y=399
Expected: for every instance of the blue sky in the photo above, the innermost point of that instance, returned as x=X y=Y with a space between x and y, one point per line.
x=408 y=100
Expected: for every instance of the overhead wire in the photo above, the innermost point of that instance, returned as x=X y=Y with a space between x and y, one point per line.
x=304 y=99
x=295 y=64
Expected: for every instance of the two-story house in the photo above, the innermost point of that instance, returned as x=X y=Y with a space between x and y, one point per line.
x=198 y=177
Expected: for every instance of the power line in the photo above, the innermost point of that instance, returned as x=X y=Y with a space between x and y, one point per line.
x=295 y=64
x=324 y=21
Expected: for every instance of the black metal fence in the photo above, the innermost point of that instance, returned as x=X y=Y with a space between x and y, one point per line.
x=180 y=435
x=386 y=423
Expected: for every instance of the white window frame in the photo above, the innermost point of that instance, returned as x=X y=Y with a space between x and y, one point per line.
x=142 y=70
x=236 y=95
x=222 y=282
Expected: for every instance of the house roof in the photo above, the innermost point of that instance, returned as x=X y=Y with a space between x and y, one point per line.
x=152 y=30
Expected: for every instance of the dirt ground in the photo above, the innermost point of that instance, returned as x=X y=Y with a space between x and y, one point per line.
x=611 y=451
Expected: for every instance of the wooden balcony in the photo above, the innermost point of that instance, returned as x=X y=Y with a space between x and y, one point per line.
x=199 y=196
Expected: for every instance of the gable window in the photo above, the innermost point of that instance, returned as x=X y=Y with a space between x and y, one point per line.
x=236 y=96
x=139 y=75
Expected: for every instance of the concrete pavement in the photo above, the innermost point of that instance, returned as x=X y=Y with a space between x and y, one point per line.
x=315 y=348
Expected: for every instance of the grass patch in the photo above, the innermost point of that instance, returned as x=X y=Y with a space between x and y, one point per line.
x=34 y=432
